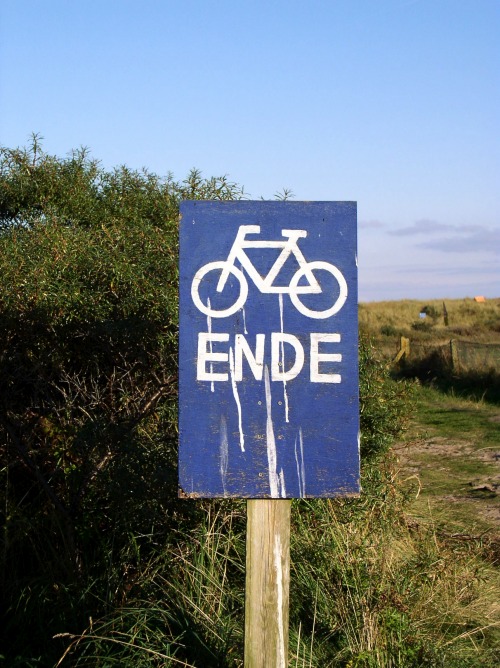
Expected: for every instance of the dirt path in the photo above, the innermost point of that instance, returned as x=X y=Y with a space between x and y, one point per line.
x=458 y=477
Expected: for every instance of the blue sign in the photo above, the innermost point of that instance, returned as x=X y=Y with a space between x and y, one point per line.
x=268 y=361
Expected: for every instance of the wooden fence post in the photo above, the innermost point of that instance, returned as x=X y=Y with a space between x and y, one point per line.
x=404 y=350
x=267 y=583
x=445 y=315
x=455 y=361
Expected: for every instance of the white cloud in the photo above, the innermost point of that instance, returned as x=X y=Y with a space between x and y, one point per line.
x=424 y=226
x=482 y=240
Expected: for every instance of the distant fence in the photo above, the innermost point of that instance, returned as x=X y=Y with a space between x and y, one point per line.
x=470 y=356
x=456 y=354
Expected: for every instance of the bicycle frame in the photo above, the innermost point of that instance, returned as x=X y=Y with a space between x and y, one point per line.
x=265 y=284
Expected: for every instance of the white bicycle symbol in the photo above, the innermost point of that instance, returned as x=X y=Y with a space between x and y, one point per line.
x=265 y=284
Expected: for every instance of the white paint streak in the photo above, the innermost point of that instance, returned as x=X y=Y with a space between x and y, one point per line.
x=278 y=565
x=237 y=399
x=282 y=487
x=301 y=472
x=270 y=440
x=301 y=493
x=302 y=464
x=244 y=321
x=224 y=452
x=209 y=329
x=285 y=395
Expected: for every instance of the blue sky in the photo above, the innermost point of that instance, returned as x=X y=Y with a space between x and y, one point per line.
x=392 y=103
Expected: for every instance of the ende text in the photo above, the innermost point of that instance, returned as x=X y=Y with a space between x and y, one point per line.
x=233 y=361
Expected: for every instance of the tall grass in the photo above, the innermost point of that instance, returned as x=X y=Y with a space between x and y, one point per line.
x=185 y=606
x=388 y=593
x=369 y=588
x=464 y=318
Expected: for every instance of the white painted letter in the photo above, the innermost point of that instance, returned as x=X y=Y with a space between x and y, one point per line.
x=278 y=371
x=256 y=362
x=205 y=356
x=317 y=357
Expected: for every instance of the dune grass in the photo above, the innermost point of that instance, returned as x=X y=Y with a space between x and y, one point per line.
x=445 y=319
x=371 y=586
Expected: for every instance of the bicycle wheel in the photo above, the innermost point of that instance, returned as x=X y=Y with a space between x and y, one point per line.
x=218 y=267
x=339 y=302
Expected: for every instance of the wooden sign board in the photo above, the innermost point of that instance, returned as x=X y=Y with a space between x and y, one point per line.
x=268 y=361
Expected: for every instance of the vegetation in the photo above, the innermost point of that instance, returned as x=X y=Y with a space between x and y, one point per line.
x=445 y=320
x=101 y=563
x=452 y=446
x=463 y=329
x=88 y=383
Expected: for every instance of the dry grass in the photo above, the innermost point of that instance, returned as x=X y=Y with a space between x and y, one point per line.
x=467 y=319
x=392 y=593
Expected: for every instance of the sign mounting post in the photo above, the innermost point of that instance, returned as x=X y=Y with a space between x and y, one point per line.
x=268 y=370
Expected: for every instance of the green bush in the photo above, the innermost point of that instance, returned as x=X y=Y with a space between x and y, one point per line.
x=88 y=383
x=431 y=311
x=385 y=405
x=422 y=326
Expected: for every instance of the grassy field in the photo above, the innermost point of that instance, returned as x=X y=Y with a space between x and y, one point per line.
x=451 y=460
x=454 y=442
x=450 y=457
x=454 y=448
x=465 y=318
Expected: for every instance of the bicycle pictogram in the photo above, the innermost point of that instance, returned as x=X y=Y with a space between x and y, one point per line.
x=266 y=284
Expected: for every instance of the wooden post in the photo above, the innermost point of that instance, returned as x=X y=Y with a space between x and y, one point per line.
x=445 y=315
x=455 y=360
x=404 y=350
x=267 y=583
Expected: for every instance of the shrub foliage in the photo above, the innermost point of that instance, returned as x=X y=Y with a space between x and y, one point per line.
x=88 y=372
